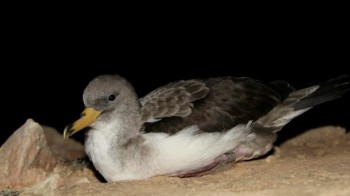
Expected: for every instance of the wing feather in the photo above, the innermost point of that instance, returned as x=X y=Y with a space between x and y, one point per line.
x=214 y=105
x=174 y=99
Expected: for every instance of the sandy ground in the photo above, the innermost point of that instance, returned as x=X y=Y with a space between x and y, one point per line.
x=316 y=162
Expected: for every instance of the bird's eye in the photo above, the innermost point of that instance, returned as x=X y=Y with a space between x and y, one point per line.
x=111 y=97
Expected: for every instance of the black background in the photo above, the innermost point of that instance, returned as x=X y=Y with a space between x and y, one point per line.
x=45 y=67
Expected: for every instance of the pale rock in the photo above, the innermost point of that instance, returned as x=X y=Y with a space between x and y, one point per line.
x=46 y=187
x=67 y=150
x=31 y=153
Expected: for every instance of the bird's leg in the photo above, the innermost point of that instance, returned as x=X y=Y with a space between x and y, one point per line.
x=221 y=160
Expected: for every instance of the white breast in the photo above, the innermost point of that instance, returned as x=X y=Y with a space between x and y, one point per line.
x=110 y=159
x=98 y=148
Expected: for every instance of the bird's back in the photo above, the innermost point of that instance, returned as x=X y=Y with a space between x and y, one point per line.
x=230 y=101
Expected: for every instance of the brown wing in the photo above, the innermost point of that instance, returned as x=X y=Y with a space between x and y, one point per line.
x=230 y=101
x=174 y=99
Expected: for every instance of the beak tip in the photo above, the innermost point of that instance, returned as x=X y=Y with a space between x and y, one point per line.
x=67 y=132
x=88 y=117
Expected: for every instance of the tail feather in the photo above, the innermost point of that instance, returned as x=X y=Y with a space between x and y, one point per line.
x=302 y=100
x=327 y=91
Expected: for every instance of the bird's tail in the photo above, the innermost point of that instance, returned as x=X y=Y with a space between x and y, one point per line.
x=302 y=100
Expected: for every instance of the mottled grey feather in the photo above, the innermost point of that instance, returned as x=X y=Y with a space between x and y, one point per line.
x=174 y=99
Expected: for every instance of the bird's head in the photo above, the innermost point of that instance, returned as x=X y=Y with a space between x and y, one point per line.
x=102 y=96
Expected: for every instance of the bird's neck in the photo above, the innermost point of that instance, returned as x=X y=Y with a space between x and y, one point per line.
x=121 y=124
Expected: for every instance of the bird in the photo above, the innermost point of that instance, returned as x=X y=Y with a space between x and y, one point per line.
x=189 y=127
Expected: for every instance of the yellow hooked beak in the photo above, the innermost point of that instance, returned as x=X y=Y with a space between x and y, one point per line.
x=88 y=116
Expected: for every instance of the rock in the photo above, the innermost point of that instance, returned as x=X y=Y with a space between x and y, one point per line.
x=25 y=157
x=67 y=150
x=319 y=137
x=32 y=152
x=46 y=187
x=9 y=192
x=317 y=143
